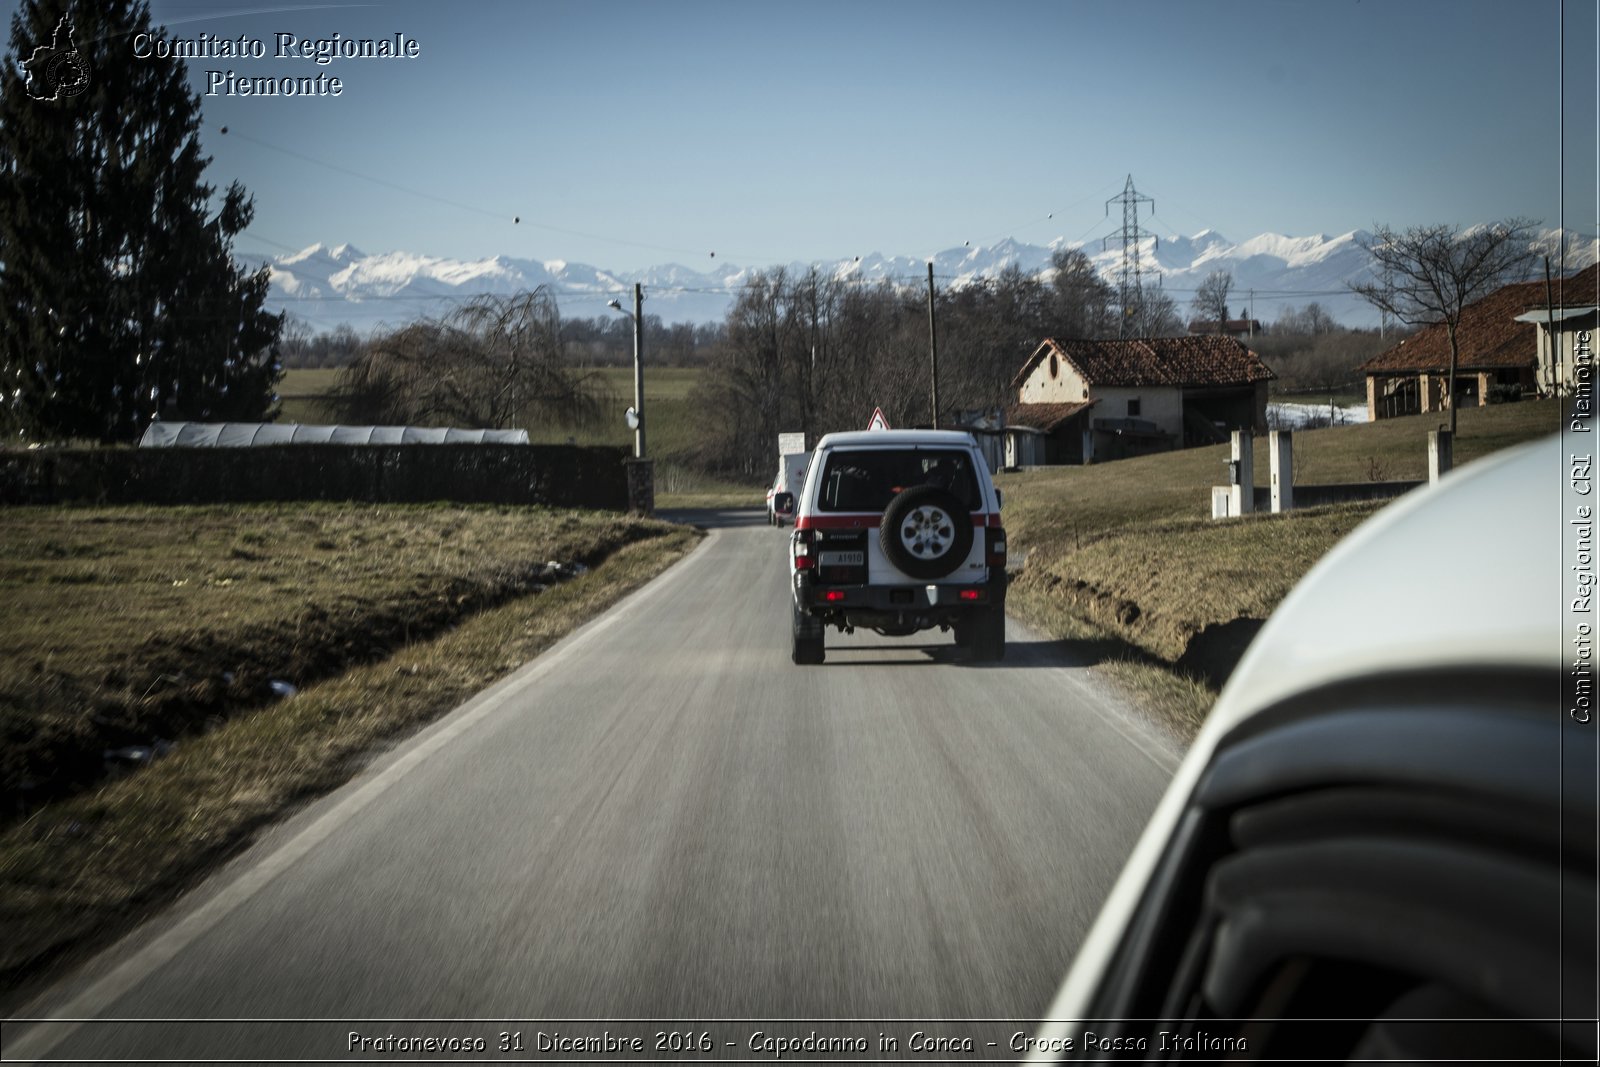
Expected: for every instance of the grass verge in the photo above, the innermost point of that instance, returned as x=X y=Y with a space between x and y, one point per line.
x=82 y=870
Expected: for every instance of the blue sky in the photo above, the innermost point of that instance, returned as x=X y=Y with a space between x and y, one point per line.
x=629 y=134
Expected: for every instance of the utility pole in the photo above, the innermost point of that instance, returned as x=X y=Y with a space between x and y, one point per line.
x=809 y=400
x=933 y=348
x=638 y=368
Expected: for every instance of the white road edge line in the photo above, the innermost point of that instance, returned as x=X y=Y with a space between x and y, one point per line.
x=92 y=1001
x=1133 y=733
x=1161 y=758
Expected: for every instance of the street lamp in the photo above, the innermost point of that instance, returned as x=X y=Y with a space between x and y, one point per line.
x=636 y=421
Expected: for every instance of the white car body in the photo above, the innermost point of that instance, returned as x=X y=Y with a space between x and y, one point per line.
x=1409 y=592
x=791 y=476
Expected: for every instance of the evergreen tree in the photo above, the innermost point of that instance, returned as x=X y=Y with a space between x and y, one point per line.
x=119 y=296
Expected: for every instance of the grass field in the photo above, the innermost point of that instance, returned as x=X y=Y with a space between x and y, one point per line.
x=162 y=630
x=1126 y=553
x=124 y=625
x=671 y=429
x=1339 y=397
x=301 y=393
x=666 y=392
x=1058 y=504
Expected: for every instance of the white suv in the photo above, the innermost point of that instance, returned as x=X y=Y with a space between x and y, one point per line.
x=899 y=531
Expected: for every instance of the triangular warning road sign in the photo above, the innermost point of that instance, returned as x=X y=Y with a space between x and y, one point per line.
x=878 y=421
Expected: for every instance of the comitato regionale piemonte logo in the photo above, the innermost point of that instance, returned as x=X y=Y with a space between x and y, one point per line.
x=57 y=70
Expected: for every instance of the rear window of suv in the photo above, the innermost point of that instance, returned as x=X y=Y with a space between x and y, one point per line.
x=867 y=479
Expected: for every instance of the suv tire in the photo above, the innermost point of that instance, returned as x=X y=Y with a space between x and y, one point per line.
x=806 y=634
x=926 y=532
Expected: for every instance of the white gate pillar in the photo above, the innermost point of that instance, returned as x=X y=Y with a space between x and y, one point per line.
x=1280 y=448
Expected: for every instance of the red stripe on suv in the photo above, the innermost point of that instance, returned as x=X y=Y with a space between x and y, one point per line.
x=861 y=522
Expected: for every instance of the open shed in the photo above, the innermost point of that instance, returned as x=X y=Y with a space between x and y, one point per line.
x=254 y=434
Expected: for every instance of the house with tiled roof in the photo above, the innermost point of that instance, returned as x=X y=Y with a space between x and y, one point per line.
x=1504 y=345
x=1570 y=307
x=1082 y=401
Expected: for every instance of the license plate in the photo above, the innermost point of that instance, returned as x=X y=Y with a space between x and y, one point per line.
x=841 y=559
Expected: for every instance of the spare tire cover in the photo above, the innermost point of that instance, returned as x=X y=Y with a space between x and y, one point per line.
x=926 y=532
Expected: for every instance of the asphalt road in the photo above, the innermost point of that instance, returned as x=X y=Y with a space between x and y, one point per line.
x=663 y=818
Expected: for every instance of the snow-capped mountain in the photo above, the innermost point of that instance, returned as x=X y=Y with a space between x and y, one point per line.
x=326 y=286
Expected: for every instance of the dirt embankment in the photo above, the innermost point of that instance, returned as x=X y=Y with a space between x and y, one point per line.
x=1188 y=593
x=1208 y=652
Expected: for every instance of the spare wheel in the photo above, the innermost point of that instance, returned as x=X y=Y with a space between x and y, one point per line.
x=926 y=532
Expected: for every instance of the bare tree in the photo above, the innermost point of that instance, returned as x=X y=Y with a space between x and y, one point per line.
x=381 y=385
x=1211 y=299
x=750 y=380
x=294 y=343
x=1322 y=362
x=1428 y=274
x=1080 y=303
x=1158 y=316
x=1318 y=320
x=498 y=361
x=986 y=331
x=804 y=351
x=1311 y=320
x=522 y=370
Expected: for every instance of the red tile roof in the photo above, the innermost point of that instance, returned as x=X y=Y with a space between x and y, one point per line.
x=1177 y=361
x=1046 y=417
x=1488 y=336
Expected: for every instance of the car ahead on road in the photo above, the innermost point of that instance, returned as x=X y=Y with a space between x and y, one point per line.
x=898 y=531
x=773 y=495
x=1381 y=846
x=791 y=475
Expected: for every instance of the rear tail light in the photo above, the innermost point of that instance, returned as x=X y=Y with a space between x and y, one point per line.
x=971 y=594
x=833 y=596
x=803 y=559
x=996 y=547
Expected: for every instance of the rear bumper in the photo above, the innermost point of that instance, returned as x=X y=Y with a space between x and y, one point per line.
x=922 y=606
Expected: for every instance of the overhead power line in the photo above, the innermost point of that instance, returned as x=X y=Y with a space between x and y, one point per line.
x=517 y=219
x=502 y=216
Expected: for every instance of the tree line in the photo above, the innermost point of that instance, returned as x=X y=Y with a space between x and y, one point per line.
x=803 y=351
x=599 y=342
x=797 y=351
